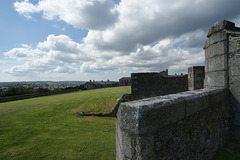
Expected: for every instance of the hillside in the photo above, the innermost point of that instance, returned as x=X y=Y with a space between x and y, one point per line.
x=50 y=127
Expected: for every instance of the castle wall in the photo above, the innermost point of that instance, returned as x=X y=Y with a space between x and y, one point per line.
x=187 y=125
x=191 y=124
x=156 y=84
x=222 y=66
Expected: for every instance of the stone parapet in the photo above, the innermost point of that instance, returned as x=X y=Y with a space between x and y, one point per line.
x=155 y=84
x=140 y=122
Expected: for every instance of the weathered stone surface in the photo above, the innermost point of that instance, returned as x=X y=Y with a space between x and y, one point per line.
x=195 y=77
x=124 y=144
x=234 y=81
x=160 y=115
x=196 y=103
x=137 y=116
x=217 y=63
x=188 y=125
x=195 y=137
x=216 y=49
x=234 y=43
x=216 y=79
x=215 y=38
x=234 y=65
x=222 y=51
x=219 y=26
x=192 y=124
x=155 y=84
x=128 y=118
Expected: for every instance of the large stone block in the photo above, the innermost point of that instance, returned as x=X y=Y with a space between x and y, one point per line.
x=196 y=102
x=234 y=43
x=234 y=65
x=215 y=38
x=216 y=79
x=144 y=116
x=216 y=63
x=124 y=144
x=128 y=117
x=219 y=26
x=217 y=97
x=144 y=148
x=165 y=113
x=216 y=49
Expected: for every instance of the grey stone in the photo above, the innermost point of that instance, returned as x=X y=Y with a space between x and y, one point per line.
x=216 y=49
x=234 y=65
x=219 y=26
x=216 y=63
x=195 y=77
x=196 y=103
x=234 y=43
x=128 y=118
x=164 y=121
x=215 y=38
x=124 y=146
x=165 y=113
x=216 y=79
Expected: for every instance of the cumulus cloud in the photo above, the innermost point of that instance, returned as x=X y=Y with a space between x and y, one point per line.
x=57 y=54
x=144 y=22
x=24 y=53
x=26 y=8
x=135 y=35
x=88 y=14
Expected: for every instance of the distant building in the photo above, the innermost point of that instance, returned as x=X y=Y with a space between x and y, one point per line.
x=125 y=81
x=164 y=73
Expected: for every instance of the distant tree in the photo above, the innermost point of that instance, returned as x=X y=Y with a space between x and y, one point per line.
x=14 y=91
x=43 y=90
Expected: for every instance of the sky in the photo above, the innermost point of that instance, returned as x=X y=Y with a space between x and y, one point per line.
x=81 y=40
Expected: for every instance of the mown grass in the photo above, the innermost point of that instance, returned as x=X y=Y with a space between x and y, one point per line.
x=50 y=127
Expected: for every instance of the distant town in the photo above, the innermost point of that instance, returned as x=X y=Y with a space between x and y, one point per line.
x=36 y=85
x=48 y=86
x=10 y=91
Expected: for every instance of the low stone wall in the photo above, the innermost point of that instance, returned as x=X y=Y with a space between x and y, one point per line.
x=187 y=125
x=155 y=84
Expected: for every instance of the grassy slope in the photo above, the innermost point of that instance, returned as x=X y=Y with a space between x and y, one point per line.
x=50 y=128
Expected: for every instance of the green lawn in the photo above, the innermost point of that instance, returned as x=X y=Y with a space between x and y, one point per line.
x=50 y=127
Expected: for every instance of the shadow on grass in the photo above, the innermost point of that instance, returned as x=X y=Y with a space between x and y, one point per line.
x=230 y=151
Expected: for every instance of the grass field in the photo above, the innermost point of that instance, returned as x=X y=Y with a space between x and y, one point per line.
x=50 y=127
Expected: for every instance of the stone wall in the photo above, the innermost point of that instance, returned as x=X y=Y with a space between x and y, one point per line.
x=222 y=66
x=195 y=77
x=155 y=84
x=187 y=125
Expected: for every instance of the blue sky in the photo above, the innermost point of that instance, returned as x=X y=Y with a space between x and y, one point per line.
x=104 y=39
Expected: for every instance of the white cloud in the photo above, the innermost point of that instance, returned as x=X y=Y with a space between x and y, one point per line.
x=24 y=53
x=25 y=8
x=144 y=22
x=120 y=36
x=89 y=14
x=56 y=54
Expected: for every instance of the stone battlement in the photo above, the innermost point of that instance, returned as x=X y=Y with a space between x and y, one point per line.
x=191 y=124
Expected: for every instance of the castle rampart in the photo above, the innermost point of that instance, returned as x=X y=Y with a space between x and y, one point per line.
x=187 y=125
x=155 y=84
x=191 y=124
